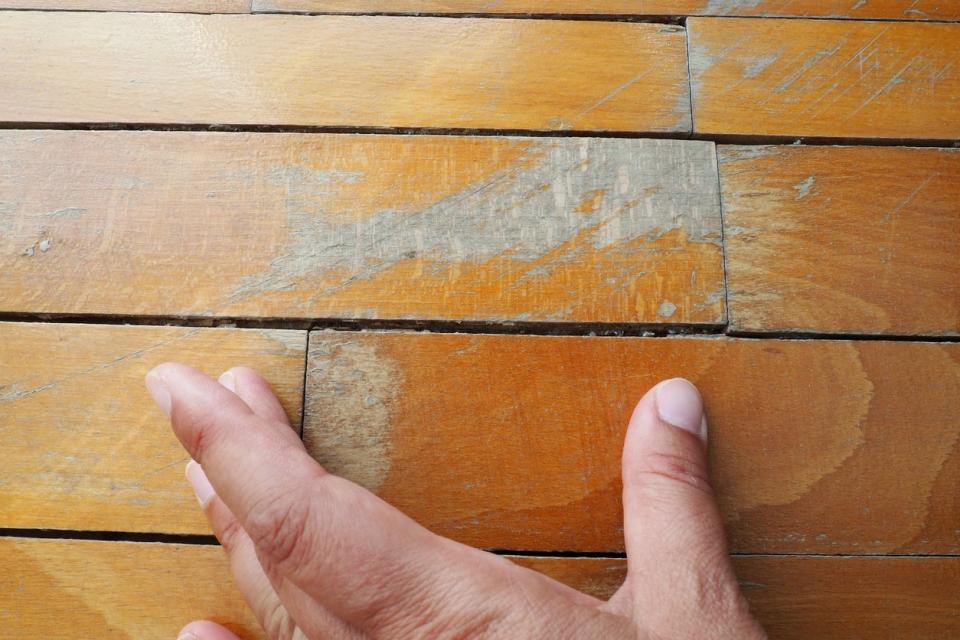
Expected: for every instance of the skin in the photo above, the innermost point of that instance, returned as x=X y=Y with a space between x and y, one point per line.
x=319 y=557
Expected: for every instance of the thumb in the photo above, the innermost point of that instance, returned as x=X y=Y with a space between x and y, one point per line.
x=676 y=549
x=205 y=630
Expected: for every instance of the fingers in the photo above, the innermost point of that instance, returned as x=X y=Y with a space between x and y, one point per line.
x=256 y=392
x=205 y=630
x=363 y=560
x=282 y=610
x=673 y=530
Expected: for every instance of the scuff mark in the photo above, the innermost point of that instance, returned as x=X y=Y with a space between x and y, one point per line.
x=803 y=188
x=351 y=393
x=45 y=245
x=807 y=65
x=659 y=185
x=666 y=309
x=758 y=66
x=67 y=212
x=897 y=209
x=12 y=392
x=727 y=7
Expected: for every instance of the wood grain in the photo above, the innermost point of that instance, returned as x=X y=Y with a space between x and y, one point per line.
x=888 y=9
x=842 y=239
x=396 y=72
x=122 y=590
x=185 y=6
x=360 y=226
x=81 y=444
x=825 y=78
x=513 y=442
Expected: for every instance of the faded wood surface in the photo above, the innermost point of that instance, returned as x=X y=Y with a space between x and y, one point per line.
x=825 y=78
x=343 y=71
x=842 y=239
x=186 y=6
x=122 y=590
x=862 y=9
x=514 y=442
x=360 y=226
x=81 y=444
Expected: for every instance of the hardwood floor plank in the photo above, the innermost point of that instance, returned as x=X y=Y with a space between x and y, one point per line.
x=175 y=6
x=497 y=229
x=82 y=445
x=542 y=75
x=514 y=442
x=884 y=9
x=842 y=239
x=825 y=78
x=120 y=590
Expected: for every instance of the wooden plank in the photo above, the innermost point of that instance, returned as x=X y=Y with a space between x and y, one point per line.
x=514 y=442
x=834 y=239
x=825 y=78
x=185 y=6
x=81 y=444
x=148 y=591
x=883 y=9
x=360 y=226
x=396 y=72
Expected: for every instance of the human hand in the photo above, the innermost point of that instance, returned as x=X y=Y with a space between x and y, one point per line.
x=319 y=557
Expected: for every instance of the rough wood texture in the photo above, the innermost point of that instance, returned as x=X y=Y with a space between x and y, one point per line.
x=834 y=239
x=862 y=9
x=122 y=590
x=186 y=6
x=823 y=78
x=360 y=226
x=514 y=442
x=81 y=444
x=292 y=70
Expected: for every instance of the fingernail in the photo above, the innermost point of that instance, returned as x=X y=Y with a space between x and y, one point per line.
x=186 y=635
x=229 y=380
x=198 y=480
x=679 y=403
x=158 y=391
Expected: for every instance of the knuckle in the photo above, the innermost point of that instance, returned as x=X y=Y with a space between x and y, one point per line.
x=230 y=535
x=277 y=623
x=279 y=527
x=656 y=468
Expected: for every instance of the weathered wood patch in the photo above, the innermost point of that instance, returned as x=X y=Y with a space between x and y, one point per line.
x=862 y=9
x=82 y=445
x=825 y=78
x=149 y=591
x=344 y=71
x=842 y=239
x=514 y=442
x=361 y=226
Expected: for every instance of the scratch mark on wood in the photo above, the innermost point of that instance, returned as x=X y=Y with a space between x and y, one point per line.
x=897 y=209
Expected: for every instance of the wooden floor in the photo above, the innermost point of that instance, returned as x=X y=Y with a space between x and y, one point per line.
x=512 y=217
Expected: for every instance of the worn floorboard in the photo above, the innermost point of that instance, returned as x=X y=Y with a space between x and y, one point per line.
x=292 y=70
x=842 y=239
x=858 y=9
x=514 y=442
x=825 y=78
x=269 y=225
x=177 y=6
x=167 y=585
x=83 y=447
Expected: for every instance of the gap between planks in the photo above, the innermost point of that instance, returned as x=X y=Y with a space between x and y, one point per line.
x=211 y=541
x=584 y=330
x=716 y=138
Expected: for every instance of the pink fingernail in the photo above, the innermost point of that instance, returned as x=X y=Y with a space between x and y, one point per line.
x=198 y=480
x=229 y=380
x=679 y=403
x=158 y=391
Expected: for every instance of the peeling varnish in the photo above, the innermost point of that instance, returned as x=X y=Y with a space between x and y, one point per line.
x=660 y=185
x=803 y=188
x=351 y=393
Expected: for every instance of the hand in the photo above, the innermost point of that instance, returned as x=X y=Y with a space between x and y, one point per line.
x=317 y=556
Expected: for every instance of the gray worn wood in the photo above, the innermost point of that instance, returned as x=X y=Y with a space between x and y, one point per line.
x=360 y=226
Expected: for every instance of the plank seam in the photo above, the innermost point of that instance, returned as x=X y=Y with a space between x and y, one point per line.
x=739 y=139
